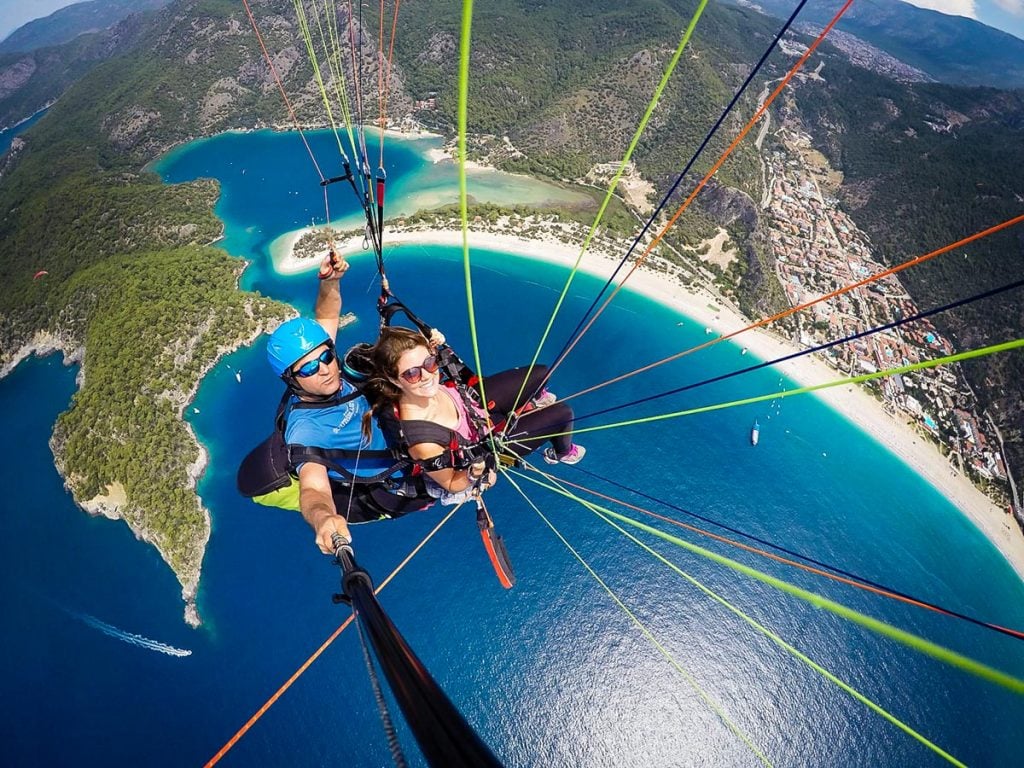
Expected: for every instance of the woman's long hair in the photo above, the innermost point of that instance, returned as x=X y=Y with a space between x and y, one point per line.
x=380 y=387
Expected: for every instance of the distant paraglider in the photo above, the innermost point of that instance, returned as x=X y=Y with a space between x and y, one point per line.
x=39 y=274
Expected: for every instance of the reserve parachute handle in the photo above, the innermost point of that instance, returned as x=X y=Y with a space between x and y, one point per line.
x=444 y=736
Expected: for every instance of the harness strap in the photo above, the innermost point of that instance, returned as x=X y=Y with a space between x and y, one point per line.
x=329 y=458
x=460 y=452
x=334 y=454
x=388 y=306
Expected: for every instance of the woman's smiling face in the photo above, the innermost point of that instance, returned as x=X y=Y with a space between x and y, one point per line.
x=413 y=377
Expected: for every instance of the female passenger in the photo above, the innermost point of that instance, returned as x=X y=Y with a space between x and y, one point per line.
x=450 y=438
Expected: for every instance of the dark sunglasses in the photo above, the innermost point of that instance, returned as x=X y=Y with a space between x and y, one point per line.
x=413 y=375
x=311 y=367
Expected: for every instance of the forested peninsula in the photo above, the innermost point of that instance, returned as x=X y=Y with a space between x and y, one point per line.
x=138 y=294
x=134 y=292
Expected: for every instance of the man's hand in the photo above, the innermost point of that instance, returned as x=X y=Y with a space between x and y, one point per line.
x=478 y=473
x=325 y=532
x=332 y=267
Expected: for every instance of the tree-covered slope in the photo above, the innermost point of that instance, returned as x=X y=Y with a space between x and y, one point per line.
x=31 y=81
x=569 y=84
x=132 y=285
x=73 y=20
x=153 y=323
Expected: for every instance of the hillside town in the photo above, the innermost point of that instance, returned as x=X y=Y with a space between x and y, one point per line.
x=818 y=249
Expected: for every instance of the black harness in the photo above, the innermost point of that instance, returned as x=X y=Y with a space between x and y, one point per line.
x=331 y=458
x=459 y=452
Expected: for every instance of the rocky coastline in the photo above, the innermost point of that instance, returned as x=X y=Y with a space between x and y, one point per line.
x=114 y=504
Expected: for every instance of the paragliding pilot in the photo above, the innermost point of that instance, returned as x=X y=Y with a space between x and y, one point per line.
x=328 y=457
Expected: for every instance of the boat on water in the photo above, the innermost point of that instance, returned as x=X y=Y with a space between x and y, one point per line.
x=755 y=433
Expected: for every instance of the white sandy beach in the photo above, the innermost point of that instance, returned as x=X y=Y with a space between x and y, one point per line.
x=852 y=401
x=442 y=155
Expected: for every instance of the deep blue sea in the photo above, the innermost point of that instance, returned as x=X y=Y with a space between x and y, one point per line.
x=552 y=672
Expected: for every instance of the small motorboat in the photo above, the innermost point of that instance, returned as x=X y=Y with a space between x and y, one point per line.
x=755 y=433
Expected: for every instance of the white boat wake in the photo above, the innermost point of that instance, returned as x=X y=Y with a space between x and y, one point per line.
x=130 y=637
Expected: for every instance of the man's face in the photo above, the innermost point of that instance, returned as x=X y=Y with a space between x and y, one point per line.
x=322 y=364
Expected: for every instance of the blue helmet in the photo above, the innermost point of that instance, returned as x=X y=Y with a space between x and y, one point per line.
x=293 y=340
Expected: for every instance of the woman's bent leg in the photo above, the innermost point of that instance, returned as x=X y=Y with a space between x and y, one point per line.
x=503 y=388
x=533 y=429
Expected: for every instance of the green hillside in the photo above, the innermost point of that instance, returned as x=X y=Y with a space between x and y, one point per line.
x=568 y=87
x=131 y=282
x=73 y=20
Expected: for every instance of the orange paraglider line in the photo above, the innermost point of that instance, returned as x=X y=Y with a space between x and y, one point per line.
x=280 y=86
x=317 y=653
x=703 y=182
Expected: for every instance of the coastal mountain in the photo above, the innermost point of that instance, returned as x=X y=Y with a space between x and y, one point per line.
x=71 y=21
x=40 y=60
x=555 y=90
x=952 y=49
x=33 y=80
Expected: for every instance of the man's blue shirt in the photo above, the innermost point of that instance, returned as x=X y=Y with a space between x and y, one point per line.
x=339 y=426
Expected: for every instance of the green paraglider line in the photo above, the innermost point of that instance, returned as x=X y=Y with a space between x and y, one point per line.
x=761 y=628
x=652 y=105
x=934 y=650
x=464 y=43
x=969 y=355
x=307 y=38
